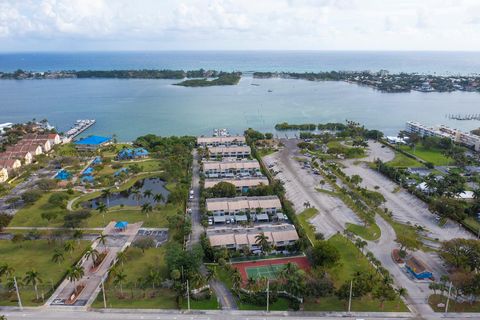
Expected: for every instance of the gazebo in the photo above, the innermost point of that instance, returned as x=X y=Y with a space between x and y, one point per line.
x=121 y=225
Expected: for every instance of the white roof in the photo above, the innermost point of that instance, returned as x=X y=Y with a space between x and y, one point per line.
x=243 y=203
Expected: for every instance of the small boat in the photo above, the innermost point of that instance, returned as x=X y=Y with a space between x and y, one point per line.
x=270 y=90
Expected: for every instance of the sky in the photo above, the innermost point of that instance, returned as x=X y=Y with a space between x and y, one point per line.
x=104 y=25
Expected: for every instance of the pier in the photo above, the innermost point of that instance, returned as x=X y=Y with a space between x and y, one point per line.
x=79 y=127
x=463 y=117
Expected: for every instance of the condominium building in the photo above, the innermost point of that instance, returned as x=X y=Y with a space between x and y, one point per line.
x=229 y=152
x=243 y=209
x=230 y=169
x=221 y=141
x=242 y=185
x=279 y=236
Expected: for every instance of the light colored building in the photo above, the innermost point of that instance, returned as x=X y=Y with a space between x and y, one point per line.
x=221 y=141
x=236 y=238
x=457 y=136
x=25 y=156
x=53 y=138
x=241 y=184
x=44 y=143
x=216 y=169
x=235 y=210
x=4 y=126
x=34 y=149
x=229 y=152
x=3 y=174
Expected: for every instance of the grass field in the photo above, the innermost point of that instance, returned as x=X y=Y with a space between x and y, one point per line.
x=27 y=255
x=138 y=265
x=372 y=232
x=453 y=306
x=402 y=161
x=432 y=155
x=31 y=215
x=304 y=218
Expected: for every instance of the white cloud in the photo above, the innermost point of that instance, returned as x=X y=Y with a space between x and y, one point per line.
x=241 y=24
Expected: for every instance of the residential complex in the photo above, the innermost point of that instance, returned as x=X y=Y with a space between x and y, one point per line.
x=242 y=185
x=221 y=141
x=464 y=138
x=229 y=152
x=280 y=236
x=231 y=169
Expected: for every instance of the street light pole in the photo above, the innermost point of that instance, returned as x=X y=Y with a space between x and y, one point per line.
x=268 y=294
x=448 y=297
x=18 y=293
x=350 y=297
x=188 y=296
x=103 y=292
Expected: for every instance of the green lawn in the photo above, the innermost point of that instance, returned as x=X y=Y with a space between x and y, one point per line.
x=402 y=161
x=156 y=218
x=30 y=215
x=371 y=232
x=36 y=255
x=138 y=265
x=208 y=304
x=433 y=155
x=280 y=305
x=351 y=261
x=365 y=304
x=453 y=306
x=304 y=218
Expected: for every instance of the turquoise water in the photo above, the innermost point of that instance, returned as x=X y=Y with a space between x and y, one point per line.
x=130 y=108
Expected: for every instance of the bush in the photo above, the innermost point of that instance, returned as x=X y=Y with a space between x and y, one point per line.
x=31 y=196
x=46 y=184
x=74 y=219
x=58 y=199
x=144 y=243
x=5 y=220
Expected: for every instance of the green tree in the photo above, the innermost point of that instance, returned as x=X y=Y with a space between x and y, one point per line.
x=408 y=241
x=74 y=274
x=58 y=256
x=262 y=241
x=102 y=239
x=122 y=257
x=33 y=277
x=158 y=198
x=147 y=208
x=106 y=193
x=147 y=193
x=119 y=279
x=384 y=292
x=102 y=208
x=69 y=247
x=91 y=253
x=6 y=270
x=324 y=254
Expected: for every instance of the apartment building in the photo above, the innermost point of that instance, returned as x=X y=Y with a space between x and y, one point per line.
x=229 y=152
x=231 y=169
x=242 y=185
x=221 y=141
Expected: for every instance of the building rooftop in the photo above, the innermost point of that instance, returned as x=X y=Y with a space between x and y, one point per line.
x=93 y=140
x=239 y=183
x=243 y=203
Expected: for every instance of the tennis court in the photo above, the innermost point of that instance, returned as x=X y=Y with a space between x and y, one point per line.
x=269 y=271
x=268 y=268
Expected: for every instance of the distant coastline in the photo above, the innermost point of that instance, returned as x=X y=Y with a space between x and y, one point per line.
x=381 y=80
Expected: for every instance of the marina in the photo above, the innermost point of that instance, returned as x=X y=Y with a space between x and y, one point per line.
x=79 y=127
x=463 y=117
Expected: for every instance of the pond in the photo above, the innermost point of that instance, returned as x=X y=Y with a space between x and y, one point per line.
x=131 y=197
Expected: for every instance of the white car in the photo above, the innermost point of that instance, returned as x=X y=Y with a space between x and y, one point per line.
x=191 y=197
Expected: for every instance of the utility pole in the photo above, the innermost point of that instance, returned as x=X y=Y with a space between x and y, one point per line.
x=350 y=297
x=448 y=297
x=103 y=292
x=188 y=296
x=18 y=293
x=268 y=294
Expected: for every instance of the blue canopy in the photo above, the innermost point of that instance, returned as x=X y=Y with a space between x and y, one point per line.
x=132 y=153
x=97 y=160
x=63 y=175
x=121 y=225
x=88 y=171
x=87 y=179
x=120 y=171
x=93 y=140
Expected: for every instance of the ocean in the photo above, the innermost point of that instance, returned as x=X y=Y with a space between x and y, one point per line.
x=130 y=108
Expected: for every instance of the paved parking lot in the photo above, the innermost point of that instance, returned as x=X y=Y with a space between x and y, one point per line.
x=300 y=185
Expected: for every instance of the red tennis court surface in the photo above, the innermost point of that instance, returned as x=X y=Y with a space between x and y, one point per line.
x=301 y=262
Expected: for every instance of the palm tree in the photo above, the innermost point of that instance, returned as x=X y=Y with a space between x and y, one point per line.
x=236 y=280
x=102 y=208
x=69 y=247
x=121 y=257
x=288 y=271
x=6 y=270
x=91 y=253
x=33 y=277
x=136 y=195
x=251 y=283
x=78 y=234
x=147 y=193
x=360 y=244
x=102 y=239
x=158 y=198
x=146 y=208
x=58 y=256
x=120 y=277
x=476 y=194
x=74 y=274
x=262 y=240
x=106 y=193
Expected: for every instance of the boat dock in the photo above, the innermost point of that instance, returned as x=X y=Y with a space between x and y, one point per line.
x=463 y=116
x=79 y=127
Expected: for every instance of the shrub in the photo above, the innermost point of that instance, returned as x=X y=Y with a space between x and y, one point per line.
x=31 y=196
x=58 y=199
x=74 y=219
